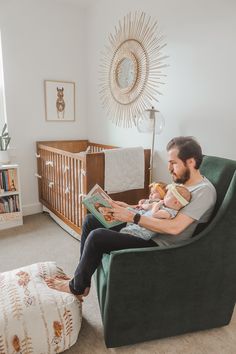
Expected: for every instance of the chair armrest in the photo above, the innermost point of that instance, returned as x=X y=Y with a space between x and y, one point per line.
x=143 y=266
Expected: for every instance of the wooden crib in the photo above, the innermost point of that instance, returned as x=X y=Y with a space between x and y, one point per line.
x=67 y=170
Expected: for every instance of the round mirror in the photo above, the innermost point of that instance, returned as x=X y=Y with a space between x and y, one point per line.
x=125 y=73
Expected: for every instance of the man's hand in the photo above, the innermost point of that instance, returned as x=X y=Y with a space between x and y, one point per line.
x=122 y=204
x=125 y=205
x=121 y=213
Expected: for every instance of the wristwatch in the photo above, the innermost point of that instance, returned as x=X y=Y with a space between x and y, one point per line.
x=136 y=218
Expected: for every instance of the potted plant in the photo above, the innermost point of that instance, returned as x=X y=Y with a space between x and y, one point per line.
x=4 y=142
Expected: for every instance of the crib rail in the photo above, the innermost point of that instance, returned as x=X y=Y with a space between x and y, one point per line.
x=62 y=177
x=67 y=170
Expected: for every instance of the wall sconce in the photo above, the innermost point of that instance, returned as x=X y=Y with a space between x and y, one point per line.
x=151 y=121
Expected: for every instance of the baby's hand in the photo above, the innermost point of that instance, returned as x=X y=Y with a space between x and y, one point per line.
x=156 y=206
x=145 y=206
x=141 y=202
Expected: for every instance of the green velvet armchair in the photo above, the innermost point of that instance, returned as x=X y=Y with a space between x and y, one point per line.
x=158 y=292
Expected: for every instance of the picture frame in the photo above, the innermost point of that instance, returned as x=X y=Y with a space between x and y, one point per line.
x=59 y=100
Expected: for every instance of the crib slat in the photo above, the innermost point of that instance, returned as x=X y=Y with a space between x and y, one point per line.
x=82 y=189
x=56 y=181
x=70 y=190
x=64 y=187
x=60 y=182
x=75 y=184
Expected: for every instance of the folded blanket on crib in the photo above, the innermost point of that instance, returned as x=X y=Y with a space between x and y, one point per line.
x=124 y=169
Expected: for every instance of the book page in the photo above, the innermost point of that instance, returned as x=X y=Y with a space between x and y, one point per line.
x=97 y=189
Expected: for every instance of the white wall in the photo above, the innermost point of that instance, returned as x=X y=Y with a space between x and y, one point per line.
x=40 y=40
x=199 y=95
x=56 y=39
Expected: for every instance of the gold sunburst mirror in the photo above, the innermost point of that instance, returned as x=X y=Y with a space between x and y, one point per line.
x=131 y=68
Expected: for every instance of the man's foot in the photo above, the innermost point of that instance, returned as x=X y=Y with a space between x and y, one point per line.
x=62 y=284
x=63 y=276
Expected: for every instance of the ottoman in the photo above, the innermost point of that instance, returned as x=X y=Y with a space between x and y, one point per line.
x=35 y=319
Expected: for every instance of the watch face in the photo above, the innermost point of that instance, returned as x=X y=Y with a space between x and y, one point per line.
x=136 y=219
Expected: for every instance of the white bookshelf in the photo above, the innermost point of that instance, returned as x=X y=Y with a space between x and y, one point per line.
x=10 y=197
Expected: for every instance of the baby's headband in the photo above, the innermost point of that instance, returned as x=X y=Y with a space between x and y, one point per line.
x=159 y=188
x=181 y=199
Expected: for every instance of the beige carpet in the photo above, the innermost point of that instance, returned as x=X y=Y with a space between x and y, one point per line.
x=41 y=239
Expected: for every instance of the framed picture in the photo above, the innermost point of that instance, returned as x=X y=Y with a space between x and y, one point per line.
x=59 y=100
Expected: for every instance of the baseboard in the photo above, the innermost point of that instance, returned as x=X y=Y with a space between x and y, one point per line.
x=31 y=209
x=62 y=224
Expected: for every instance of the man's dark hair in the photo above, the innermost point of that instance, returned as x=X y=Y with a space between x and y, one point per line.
x=188 y=148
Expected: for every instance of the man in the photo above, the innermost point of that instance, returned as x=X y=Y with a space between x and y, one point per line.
x=184 y=160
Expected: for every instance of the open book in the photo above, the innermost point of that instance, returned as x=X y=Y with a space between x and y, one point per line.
x=97 y=202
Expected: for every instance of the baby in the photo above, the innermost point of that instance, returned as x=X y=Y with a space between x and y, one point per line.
x=157 y=193
x=176 y=198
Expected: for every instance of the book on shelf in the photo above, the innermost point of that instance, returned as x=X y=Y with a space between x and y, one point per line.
x=8 y=180
x=9 y=204
x=97 y=202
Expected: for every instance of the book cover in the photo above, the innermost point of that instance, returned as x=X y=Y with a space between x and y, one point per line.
x=8 y=180
x=2 y=208
x=1 y=182
x=13 y=180
x=4 y=185
x=6 y=205
x=17 y=201
x=97 y=202
x=97 y=189
x=5 y=174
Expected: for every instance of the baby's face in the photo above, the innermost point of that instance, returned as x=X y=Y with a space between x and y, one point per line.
x=154 y=194
x=171 y=201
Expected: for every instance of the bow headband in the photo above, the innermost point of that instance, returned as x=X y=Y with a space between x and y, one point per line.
x=179 y=197
x=159 y=189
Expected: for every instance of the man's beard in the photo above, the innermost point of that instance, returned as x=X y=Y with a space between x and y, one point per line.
x=183 y=178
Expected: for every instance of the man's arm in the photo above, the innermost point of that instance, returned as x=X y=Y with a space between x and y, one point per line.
x=161 y=214
x=125 y=205
x=166 y=226
x=173 y=227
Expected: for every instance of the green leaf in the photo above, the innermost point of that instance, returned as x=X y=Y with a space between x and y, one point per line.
x=4 y=138
x=4 y=128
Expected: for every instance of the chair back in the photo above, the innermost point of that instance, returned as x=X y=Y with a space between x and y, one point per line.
x=220 y=172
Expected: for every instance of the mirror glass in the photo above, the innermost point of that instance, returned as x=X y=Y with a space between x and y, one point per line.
x=125 y=73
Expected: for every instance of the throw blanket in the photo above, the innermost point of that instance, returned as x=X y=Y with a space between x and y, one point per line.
x=124 y=169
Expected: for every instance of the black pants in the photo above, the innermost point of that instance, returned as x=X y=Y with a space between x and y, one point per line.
x=95 y=241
